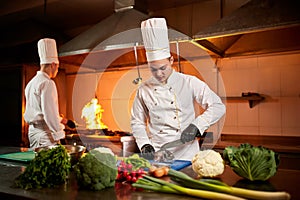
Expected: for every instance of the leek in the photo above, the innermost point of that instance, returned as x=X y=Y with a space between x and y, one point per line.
x=218 y=186
x=158 y=185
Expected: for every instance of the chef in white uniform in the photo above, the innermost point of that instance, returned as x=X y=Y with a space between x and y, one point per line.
x=163 y=108
x=42 y=111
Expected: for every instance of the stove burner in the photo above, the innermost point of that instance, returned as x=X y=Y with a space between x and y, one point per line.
x=96 y=132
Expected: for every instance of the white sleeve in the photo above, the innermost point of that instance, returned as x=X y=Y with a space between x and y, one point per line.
x=49 y=106
x=214 y=107
x=139 y=117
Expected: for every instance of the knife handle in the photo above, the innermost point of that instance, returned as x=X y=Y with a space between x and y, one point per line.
x=199 y=134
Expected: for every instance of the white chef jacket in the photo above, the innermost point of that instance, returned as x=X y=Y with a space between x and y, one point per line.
x=42 y=109
x=161 y=112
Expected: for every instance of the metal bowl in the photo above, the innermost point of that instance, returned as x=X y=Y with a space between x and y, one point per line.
x=75 y=151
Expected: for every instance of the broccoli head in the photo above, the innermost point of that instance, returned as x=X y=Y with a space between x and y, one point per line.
x=96 y=170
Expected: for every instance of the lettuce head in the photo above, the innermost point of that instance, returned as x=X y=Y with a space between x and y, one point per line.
x=255 y=163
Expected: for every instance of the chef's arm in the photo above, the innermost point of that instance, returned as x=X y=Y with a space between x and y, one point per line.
x=49 y=105
x=139 y=115
x=215 y=109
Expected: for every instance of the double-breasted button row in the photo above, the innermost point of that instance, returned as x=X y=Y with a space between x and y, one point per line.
x=172 y=102
x=161 y=131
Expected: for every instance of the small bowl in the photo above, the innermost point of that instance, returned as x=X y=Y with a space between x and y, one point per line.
x=75 y=151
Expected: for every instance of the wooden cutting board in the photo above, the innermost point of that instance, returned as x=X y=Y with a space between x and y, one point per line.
x=26 y=156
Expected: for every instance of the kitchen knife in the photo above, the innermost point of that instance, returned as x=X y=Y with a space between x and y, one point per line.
x=168 y=145
x=163 y=155
x=178 y=142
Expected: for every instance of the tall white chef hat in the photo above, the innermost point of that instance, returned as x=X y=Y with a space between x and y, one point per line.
x=155 y=38
x=47 y=51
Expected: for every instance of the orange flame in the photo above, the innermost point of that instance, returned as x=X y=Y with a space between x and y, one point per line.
x=92 y=114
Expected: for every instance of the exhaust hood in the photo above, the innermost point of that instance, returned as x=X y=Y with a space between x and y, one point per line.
x=111 y=40
x=118 y=31
x=258 y=27
x=122 y=21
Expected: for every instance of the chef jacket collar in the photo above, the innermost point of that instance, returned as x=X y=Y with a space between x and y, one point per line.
x=44 y=74
x=170 y=81
x=172 y=78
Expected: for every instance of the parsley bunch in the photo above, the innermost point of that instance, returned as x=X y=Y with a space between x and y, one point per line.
x=49 y=168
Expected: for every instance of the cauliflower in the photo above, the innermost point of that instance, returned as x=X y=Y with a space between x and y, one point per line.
x=208 y=163
x=104 y=150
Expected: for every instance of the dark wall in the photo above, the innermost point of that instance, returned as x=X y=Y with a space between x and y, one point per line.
x=11 y=105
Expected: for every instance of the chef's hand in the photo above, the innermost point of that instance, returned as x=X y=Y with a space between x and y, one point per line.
x=68 y=122
x=147 y=152
x=71 y=124
x=189 y=133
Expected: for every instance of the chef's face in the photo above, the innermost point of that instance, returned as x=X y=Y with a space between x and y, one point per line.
x=54 y=69
x=161 y=69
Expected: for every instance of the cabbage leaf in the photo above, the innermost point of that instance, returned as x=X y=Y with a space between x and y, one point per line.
x=252 y=162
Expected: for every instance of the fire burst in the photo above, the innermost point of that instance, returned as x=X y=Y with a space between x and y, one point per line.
x=92 y=114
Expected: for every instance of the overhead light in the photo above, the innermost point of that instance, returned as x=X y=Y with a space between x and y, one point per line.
x=124 y=8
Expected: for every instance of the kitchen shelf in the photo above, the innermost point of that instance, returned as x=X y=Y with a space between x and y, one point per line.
x=252 y=98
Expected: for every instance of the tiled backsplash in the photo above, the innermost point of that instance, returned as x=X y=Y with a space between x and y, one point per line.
x=276 y=77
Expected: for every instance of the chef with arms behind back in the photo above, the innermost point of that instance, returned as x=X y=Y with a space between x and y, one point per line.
x=163 y=108
x=42 y=112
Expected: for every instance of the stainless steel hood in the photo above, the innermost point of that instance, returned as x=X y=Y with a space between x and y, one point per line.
x=118 y=31
x=111 y=40
x=126 y=20
x=258 y=27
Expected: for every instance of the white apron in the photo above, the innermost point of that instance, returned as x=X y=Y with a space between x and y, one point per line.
x=39 y=135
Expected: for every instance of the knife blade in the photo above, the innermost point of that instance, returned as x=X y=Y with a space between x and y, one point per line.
x=178 y=142
x=163 y=155
x=168 y=145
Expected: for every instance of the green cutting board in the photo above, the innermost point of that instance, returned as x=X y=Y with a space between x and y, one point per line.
x=26 y=156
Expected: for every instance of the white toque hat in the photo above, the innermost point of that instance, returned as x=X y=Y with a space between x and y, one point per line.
x=155 y=38
x=47 y=51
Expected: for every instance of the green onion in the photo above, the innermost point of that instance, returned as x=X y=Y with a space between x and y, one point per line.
x=158 y=185
x=218 y=186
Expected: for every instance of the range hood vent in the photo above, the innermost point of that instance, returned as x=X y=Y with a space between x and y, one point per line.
x=125 y=20
x=118 y=31
x=111 y=42
x=258 y=27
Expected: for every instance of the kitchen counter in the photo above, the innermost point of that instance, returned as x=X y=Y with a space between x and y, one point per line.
x=286 y=179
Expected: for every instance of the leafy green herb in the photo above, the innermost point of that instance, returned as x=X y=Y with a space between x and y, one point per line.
x=137 y=162
x=49 y=168
x=252 y=163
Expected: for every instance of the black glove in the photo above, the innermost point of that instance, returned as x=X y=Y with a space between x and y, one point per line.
x=189 y=133
x=71 y=124
x=147 y=152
